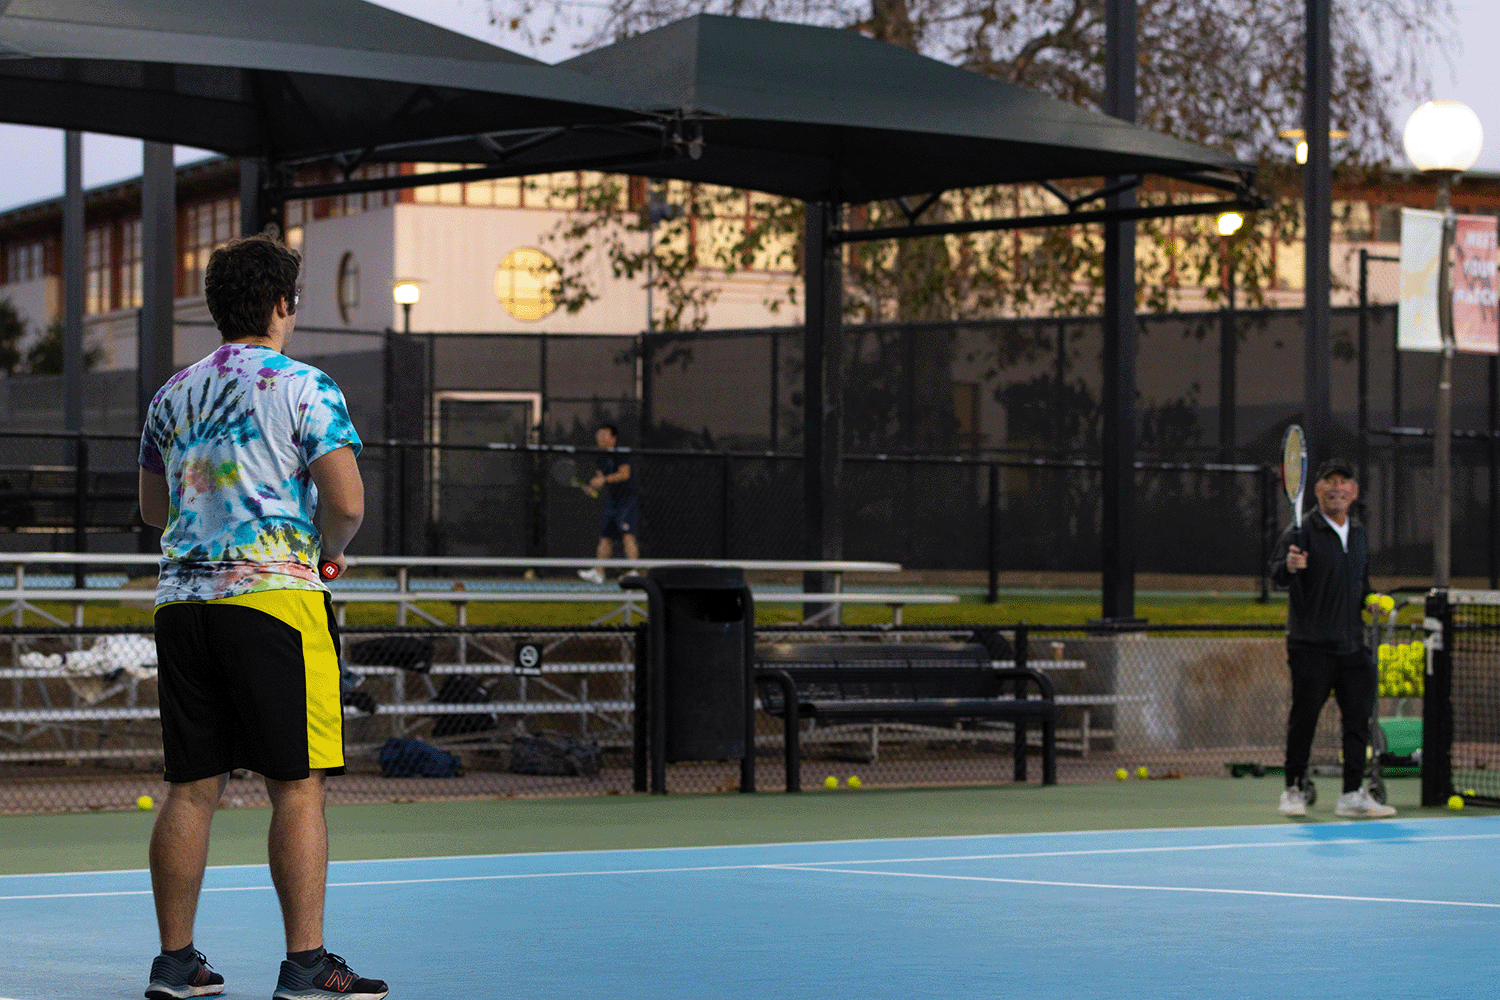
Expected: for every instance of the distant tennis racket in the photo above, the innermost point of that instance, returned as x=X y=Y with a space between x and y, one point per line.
x=565 y=473
x=1294 y=475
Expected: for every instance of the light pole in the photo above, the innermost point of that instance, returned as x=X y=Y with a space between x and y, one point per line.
x=1443 y=139
x=1229 y=223
x=406 y=293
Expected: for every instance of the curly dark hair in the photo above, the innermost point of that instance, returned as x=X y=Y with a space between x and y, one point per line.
x=245 y=279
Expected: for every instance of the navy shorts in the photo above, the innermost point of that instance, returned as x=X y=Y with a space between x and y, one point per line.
x=621 y=517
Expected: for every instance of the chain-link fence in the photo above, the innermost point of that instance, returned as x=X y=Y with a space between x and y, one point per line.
x=469 y=712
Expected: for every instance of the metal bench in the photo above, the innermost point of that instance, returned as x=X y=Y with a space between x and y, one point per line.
x=871 y=683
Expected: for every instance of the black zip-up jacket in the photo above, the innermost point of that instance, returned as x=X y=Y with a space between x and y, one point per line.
x=1325 y=599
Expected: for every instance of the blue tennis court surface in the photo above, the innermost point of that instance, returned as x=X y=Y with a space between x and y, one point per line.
x=1400 y=908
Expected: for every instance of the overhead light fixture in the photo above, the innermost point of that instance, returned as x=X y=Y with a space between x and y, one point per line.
x=1301 y=137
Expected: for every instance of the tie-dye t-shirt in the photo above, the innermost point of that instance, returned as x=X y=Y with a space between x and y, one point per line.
x=234 y=435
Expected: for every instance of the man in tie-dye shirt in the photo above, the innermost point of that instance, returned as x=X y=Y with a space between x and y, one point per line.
x=248 y=465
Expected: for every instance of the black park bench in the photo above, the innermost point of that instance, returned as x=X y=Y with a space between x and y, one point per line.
x=929 y=683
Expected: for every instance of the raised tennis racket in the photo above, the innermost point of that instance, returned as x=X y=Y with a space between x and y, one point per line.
x=565 y=473
x=1294 y=475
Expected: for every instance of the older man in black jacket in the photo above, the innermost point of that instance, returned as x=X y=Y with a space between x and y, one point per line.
x=1327 y=574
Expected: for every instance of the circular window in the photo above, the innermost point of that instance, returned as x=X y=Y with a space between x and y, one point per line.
x=526 y=283
x=348 y=286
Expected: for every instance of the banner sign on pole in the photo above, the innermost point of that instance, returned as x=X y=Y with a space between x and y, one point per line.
x=1417 y=315
x=1472 y=283
x=1475 y=295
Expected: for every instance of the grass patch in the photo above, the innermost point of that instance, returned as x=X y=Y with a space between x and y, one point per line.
x=1065 y=608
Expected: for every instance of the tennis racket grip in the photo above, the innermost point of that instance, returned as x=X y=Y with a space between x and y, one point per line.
x=328 y=569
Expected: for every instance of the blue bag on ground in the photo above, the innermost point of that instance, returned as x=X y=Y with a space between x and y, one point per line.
x=403 y=758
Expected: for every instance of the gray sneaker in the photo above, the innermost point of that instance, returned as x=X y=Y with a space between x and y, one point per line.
x=174 y=980
x=1292 y=802
x=1359 y=803
x=330 y=979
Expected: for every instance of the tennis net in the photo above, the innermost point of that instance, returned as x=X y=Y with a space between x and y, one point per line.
x=1462 y=708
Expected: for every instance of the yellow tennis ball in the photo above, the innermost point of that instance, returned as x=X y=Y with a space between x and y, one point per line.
x=830 y=782
x=1387 y=602
x=1469 y=791
x=1455 y=802
x=1121 y=774
x=1142 y=772
x=144 y=803
x=854 y=781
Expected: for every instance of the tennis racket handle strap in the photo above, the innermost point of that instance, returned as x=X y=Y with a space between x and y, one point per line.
x=328 y=569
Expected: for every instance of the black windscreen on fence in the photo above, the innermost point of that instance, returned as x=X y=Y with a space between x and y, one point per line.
x=961 y=439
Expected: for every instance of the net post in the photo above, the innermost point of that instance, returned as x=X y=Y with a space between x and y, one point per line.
x=641 y=734
x=992 y=560
x=1267 y=529
x=1437 y=705
x=1019 y=747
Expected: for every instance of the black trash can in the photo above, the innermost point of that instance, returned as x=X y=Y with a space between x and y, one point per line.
x=694 y=696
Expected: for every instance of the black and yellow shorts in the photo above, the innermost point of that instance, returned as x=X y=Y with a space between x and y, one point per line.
x=250 y=682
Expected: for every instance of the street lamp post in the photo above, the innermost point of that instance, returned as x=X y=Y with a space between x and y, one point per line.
x=1443 y=139
x=406 y=294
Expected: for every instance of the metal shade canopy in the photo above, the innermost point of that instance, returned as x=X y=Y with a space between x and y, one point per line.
x=822 y=114
x=281 y=81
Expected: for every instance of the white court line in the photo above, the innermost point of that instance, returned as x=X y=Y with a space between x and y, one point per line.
x=822 y=866
x=413 y=881
x=1141 y=850
x=1147 y=888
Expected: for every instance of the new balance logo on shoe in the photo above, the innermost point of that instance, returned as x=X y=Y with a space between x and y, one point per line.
x=339 y=982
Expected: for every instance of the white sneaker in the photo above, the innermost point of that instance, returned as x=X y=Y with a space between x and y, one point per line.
x=1292 y=802
x=1359 y=803
x=595 y=575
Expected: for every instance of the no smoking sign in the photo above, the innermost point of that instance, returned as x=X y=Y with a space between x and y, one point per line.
x=529 y=658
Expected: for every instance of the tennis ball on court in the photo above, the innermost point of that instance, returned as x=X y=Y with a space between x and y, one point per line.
x=854 y=781
x=1121 y=774
x=1455 y=802
x=144 y=803
x=1142 y=772
x=1387 y=602
x=1469 y=791
x=830 y=782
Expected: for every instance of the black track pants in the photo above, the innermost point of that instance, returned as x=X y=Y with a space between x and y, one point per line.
x=1352 y=679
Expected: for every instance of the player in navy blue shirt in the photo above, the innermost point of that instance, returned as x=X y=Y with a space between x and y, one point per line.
x=622 y=506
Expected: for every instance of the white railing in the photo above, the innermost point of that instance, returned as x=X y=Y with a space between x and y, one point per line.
x=21 y=598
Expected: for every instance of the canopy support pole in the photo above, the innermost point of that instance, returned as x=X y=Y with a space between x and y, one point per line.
x=154 y=344
x=822 y=398
x=1117 y=486
x=73 y=266
x=1317 y=208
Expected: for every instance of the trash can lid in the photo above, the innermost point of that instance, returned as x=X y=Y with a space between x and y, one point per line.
x=699 y=577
